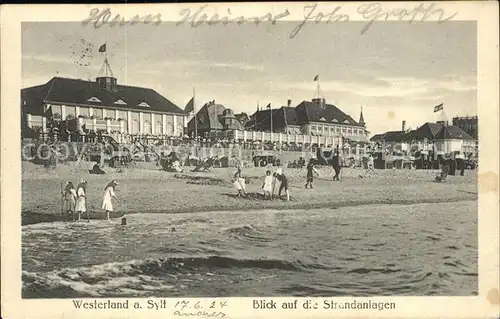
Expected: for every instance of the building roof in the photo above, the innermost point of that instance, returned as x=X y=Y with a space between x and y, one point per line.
x=282 y=117
x=312 y=112
x=243 y=118
x=430 y=131
x=75 y=91
x=211 y=117
x=427 y=131
x=377 y=137
x=453 y=132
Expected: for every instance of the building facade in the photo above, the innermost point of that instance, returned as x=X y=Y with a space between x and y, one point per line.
x=468 y=124
x=103 y=106
x=314 y=117
x=439 y=137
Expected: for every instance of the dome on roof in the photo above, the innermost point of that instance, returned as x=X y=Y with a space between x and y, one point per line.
x=228 y=113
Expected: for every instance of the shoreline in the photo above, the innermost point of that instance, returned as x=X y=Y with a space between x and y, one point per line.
x=31 y=218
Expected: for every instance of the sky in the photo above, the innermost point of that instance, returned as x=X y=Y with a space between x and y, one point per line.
x=396 y=71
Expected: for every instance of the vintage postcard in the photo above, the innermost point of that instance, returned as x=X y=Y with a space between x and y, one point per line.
x=250 y=160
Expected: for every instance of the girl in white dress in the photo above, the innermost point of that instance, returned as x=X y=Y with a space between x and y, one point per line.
x=81 y=201
x=268 y=185
x=69 y=196
x=109 y=193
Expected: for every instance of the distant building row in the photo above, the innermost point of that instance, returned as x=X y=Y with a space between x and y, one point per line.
x=459 y=137
x=105 y=106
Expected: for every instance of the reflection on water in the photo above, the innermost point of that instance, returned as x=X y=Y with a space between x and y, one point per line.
x=426 y=249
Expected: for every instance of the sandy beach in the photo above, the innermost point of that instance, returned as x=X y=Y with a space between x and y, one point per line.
x=147 y=189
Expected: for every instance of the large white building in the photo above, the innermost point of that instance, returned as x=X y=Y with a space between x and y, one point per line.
x=103 y=105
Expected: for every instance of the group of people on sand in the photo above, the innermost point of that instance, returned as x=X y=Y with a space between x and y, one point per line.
x=272 y=179
x=75 y=200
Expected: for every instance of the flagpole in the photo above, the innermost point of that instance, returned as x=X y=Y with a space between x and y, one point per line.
x=195 y=121
x=271 y=111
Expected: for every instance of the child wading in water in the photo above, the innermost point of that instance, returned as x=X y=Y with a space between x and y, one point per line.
x=70 y=197
x=109 y=193
x=81 y=201
x=239 y=183
x=268 y=185
x=310 y=173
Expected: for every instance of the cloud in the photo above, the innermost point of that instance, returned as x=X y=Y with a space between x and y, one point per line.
x=393 y=87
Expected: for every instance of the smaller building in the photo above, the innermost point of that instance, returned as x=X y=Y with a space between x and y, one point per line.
x=213 y=117
x=439 y=137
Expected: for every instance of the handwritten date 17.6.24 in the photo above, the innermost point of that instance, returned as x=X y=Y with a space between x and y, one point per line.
x=186 y=308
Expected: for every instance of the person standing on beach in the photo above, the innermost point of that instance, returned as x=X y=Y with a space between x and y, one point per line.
x=239 y=183
x=268 y=185
x=69 y=196
x=337 y=165
x=109 y=194
x=81 y=201
x=280 y=176
x=310 y=173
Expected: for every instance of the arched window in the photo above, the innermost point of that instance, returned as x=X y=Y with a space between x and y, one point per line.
x=158 y=128
x=135 y=127
x=147 y=127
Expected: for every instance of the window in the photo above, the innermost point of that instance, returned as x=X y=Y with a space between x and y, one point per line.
x=313 y=128
x=337 y=129
x=170 y=125
x=120 y=102
x=98 y=114
x=180 y=128
x=84 y=112
x=35 y=122
x=122 y=115
x=143 y=104
x=70 y=112
x=147 y=127
x=135 y=127
x=94 y=100
x=158 y=128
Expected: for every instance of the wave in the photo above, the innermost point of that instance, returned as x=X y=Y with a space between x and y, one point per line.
x=135 y=275
x=248 y=232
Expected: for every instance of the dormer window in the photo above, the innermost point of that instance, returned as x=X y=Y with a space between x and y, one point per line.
x=346 y=121
x=144 y=104
x=120 y=102
x=94 y=99
x=322 y=119
x=335 y=121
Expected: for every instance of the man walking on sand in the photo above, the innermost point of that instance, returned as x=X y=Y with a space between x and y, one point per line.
x=337 y=164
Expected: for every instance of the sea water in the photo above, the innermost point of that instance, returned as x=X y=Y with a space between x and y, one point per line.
x=424 y=249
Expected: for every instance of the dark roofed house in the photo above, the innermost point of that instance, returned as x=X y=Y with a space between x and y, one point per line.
x=445 y=138
x=213 y=117
x=243 y=118
x=142 y=110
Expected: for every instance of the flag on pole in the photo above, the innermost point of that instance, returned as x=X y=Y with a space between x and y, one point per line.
x=189 y=106
x=316 y=78
x=268 y=106
x=438 y=107
x=102 y=48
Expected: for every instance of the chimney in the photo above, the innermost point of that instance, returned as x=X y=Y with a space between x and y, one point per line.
x=289 y=103
x=403 y=126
